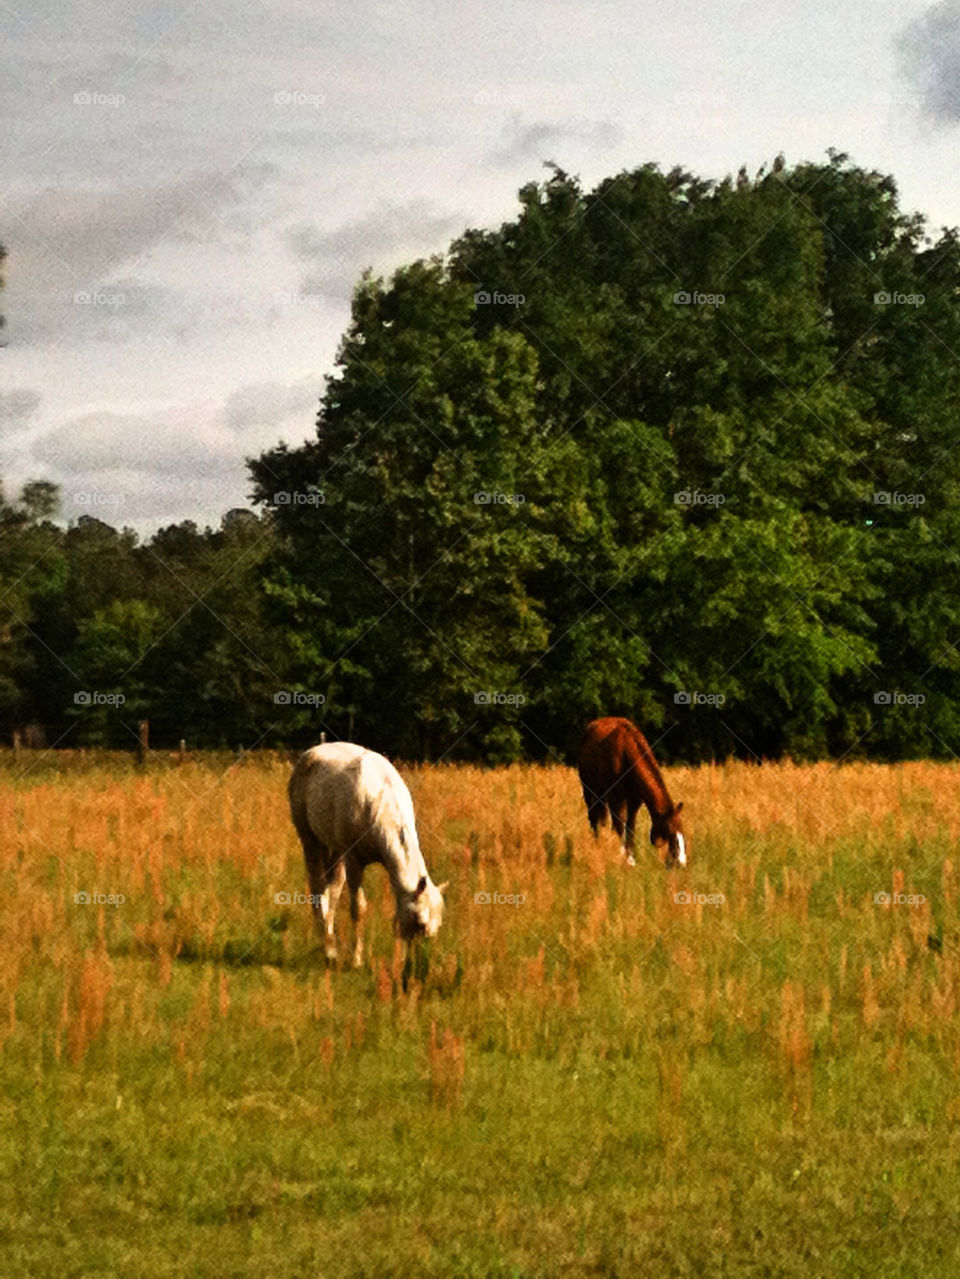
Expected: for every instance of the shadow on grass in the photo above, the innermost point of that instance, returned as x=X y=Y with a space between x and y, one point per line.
x=241 y=953
x=233 y=953
x=266 y=950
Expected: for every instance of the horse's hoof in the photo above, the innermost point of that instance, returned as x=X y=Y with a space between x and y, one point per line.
x=630 y=859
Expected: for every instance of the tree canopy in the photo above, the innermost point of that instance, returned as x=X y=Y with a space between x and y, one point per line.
x=715 y=421
x=675 y=449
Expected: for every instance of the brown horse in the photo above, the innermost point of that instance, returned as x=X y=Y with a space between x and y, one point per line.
x=619 y=774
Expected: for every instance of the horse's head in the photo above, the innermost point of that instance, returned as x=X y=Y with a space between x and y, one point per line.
x=421 y=913
x=666 y=832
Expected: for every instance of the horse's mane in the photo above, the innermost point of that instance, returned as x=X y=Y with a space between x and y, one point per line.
x=647 y=754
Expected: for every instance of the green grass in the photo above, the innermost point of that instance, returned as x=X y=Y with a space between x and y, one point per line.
x=639 y=1092
x=553 y=1163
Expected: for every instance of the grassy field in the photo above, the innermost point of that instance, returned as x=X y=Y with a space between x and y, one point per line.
x=748 y=1067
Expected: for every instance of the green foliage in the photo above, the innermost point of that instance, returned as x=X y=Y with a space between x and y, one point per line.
x=667 y=436
x=175 y=630
x=698 y=476
x=637 y=1097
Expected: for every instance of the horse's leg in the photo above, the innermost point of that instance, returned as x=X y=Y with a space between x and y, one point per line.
x=618 y=810
x=595 y=810
x=315 y=856
x=358 y=909
x=630 y=834
x=335 y=877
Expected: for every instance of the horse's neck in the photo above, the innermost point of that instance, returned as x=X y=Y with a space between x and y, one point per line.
x=406 y=866
x=659 y=802
x=404 y=871
x=657 y=799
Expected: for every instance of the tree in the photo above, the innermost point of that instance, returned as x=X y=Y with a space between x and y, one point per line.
x=655 y=370
x=118 y=686
x=407 y=534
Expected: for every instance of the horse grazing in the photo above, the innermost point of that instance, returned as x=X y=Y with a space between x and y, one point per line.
x=351 y=807
x=619 y=773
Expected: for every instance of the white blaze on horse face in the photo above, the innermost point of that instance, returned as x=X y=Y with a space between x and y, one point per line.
x=434 y=910
x=681 y=851
x=423 y=914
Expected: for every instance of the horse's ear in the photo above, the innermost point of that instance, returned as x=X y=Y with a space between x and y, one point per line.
x=678 y=807
x=421 y=886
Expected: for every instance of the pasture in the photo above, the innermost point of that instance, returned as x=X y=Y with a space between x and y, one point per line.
x=748 y=1066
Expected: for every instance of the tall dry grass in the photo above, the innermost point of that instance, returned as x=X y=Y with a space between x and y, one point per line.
x=783 y=940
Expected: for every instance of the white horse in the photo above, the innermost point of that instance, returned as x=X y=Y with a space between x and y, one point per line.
x=351 y=807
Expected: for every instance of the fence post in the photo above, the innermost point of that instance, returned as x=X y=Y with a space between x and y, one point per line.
x=183 y=749
x=16 y=742
x=143 y=740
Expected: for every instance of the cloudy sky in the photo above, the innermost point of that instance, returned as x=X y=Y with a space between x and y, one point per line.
x=190 y=190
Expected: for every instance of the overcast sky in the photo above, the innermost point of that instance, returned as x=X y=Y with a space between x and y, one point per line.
x=190 y=190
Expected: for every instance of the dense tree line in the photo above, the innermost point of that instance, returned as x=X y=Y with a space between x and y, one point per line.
x=98 y=631
x=676 y=449
x=730 y=463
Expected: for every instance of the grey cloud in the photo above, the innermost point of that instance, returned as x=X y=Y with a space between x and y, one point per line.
x=167 y=443
x=136 y=77
x=412 y=100
x=89 y=232
x=930 y=56
x=344 y=139
x=338 y=257
x=523 y=142
x=18 y=405
x=149 y=466
x=270 y=404
x=122 y=498
x=134 y=311
x=65 y=246
x=130 y=310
